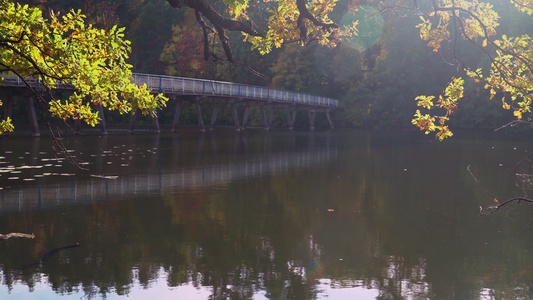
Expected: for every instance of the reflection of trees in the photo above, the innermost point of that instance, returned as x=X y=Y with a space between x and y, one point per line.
x=282 y=232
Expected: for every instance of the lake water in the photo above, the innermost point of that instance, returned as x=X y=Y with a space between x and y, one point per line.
x=265 y=215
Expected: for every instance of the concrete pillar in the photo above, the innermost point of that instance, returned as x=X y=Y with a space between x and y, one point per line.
x=132 y=121
x=155 y=121
x=312 y=115
x=291 y=117
x=8 y=106
x=77 y=126
x=329 y=120
x=177 y=113
x=199 y=115
x=214 y=115
x=266 y=119
x=33 y=118
x=245 y=116
x=103 y=128
x=235 y=117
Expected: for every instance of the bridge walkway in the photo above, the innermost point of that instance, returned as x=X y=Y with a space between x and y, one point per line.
x=200 y=92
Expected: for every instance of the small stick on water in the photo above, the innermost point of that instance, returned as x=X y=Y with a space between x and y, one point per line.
x=16 y=235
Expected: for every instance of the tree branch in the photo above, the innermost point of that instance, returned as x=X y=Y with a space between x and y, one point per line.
x=493 y=208
x=205 y=30
x=306 y=14
x=215 y=17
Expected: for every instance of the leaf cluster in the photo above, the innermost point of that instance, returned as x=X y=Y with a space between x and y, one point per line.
x=511 y=70
x=66 y=50
x=285 y=25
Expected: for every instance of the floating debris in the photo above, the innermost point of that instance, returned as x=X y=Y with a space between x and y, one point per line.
x=105 y=177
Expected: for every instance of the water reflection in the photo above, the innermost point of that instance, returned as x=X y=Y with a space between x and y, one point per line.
x=153 y=178
x=267 y=216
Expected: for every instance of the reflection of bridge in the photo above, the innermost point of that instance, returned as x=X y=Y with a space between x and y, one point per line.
x=91 y=189
x=197 y=91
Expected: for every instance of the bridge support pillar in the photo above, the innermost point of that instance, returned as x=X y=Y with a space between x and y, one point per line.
x=245 y=116
x=236 y=117
x=199 y=115
x=155 y=121
x=267 y=120
x=329 y=120
x=33 y=118
x=291 y=117
x=77 y=126
x=177 y=113
x=132 y=121
x=312 y=115
x=133 y=118
x=103 y=128
x=216 y=108
x=8 y=106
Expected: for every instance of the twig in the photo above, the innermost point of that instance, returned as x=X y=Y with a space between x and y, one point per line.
x=493 y=208
x=479 y=185
x=16 y=235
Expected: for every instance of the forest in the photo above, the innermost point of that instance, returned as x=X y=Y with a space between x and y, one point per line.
x=376 y=74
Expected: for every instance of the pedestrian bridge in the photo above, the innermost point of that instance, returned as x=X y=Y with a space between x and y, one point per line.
x=201 y=92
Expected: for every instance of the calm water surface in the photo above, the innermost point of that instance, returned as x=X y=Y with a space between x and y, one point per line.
x=264 y=215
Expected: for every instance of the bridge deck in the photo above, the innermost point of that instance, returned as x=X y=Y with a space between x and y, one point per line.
x=219 y=91
x=201 y=87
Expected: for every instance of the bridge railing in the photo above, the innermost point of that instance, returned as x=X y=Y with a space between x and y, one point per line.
x=193 y=86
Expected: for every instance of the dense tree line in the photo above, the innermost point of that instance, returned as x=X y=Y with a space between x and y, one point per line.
x=376 y=74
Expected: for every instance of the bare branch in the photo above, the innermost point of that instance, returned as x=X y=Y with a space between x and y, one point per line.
x=215 y=17
x=491 y=209
x=513 y=123
x=205 y=30
x=479 y=184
